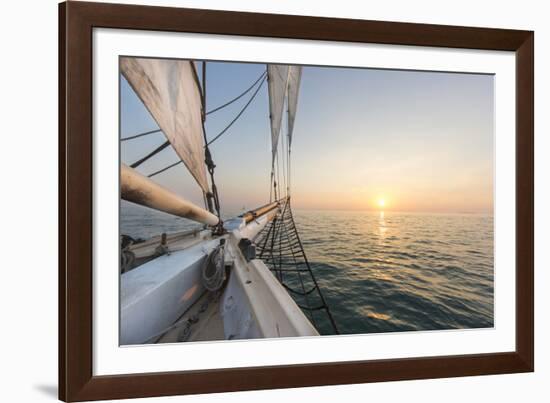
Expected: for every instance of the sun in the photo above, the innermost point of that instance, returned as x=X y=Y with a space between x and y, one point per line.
x=381 y=202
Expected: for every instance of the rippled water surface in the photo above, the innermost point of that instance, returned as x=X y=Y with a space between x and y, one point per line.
x=385 y=272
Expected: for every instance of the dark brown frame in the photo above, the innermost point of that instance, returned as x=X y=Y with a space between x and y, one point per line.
x=76 y=22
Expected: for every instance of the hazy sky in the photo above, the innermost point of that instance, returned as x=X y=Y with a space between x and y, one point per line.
x=421 y=141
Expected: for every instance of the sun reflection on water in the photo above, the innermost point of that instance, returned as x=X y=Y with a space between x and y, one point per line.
x=382 y=228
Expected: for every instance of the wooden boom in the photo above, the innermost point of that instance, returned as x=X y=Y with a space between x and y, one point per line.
x=253 y=214
x=139 y=189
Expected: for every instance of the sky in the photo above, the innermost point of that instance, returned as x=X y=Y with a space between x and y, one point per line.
x=364 y=139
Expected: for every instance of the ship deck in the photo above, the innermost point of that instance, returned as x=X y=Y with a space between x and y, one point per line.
x=202 y=322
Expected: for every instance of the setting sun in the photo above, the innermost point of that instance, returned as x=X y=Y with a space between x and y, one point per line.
x=381 y=203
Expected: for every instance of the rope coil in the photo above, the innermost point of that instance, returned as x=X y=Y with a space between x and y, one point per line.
x=213 y=270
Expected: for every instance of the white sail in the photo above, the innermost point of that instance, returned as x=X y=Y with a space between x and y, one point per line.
x=294 y=77
x=277 y=84
x=170 y=91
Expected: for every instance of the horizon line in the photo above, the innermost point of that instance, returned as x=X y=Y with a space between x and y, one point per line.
x=397 y=210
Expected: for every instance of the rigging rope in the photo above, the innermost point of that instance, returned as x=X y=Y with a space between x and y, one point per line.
x=239 y=96
x=271 y=187
x=214 y=194
x=140 y=135
x=238 y=115
x=280 y=247
x=139 y=162
x=164 y=169
x=288 y=155
x=152 y=153
x=278 y=171
x=211 y=196
x=288 y=172
x=284 y=164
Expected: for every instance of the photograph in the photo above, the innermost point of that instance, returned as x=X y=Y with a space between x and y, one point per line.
x=267 y=200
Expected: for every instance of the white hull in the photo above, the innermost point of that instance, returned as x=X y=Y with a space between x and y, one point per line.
x=253 y=305
x=158 y=292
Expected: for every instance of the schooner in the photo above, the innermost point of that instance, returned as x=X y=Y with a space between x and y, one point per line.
x=239 y=278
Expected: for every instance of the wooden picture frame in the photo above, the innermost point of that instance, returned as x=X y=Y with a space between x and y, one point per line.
x=76 y=23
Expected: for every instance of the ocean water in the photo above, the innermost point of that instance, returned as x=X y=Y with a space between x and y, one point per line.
x=384 y=271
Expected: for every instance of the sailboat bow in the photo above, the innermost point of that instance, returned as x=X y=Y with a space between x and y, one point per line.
x=244 y=277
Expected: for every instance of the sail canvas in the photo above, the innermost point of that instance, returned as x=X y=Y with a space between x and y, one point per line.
x=294 y=77
x=169 y=89
x=277 y=84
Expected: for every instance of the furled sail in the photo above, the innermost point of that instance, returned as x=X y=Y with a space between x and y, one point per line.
x=277 y=84
x=170 y=91
x=294 y=77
